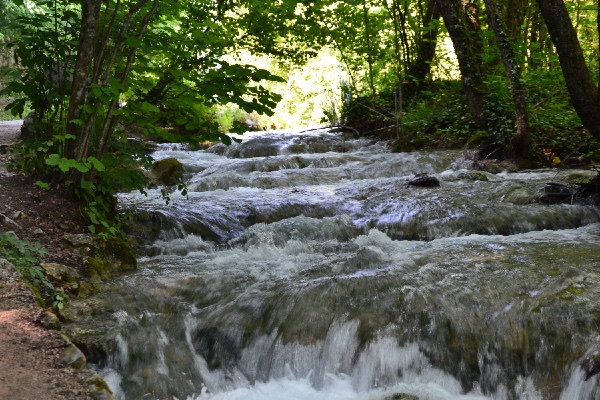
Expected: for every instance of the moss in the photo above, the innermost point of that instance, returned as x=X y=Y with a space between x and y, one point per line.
x=577 y=178
x=96 y=269
x=119 y=254
x=168 y=171
x=87 y=289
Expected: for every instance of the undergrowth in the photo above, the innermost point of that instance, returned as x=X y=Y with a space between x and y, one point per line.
x=26 y=257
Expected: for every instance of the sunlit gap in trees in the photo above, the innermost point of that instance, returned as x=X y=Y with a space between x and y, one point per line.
x=313 y=93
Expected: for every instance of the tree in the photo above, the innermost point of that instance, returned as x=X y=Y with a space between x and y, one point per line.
x=462 y=22
x=89 y=66
x=427 y=42
x=513 y=72
x=583 y=90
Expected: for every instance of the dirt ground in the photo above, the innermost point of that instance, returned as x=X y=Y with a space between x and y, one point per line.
x=34 y=359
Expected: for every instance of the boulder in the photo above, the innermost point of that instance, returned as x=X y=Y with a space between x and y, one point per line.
x=167 y=172
x=424 y=180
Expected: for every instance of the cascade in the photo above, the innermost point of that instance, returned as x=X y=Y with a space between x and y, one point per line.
x=302 y=265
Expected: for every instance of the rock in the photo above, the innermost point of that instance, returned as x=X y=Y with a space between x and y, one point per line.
x=578 y=161
x=71 y=356
x=4 y=220
x=10 y=233
x=48 y=320
x=474 y=176
x=167 y=172
x=555 y=193
x=216 y=347
x=591 y=365
x=99 y=390
x=38 y=231
x=61 y=273
x=83 y=245
x=19 y=215
x=102 y=258
x=424 y=180
x=78 y=240
x=28 y=127
x=401 y=396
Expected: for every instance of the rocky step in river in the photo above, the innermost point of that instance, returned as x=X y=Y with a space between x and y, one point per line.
x=303 y=265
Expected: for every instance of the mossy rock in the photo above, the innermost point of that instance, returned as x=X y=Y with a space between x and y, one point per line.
x=111 y=256
x=578 y=178
x=167 y=172
x=119 y=254
x=474 y=176
x=97 y=270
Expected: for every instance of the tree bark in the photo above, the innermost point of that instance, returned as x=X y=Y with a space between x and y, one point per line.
x=511 y=65
x=368 y=43
x=420 y=69
x=462 y=27
x=580 y=84
x=90 y=13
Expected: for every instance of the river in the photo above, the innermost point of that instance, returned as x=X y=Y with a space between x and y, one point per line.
x=303 y=266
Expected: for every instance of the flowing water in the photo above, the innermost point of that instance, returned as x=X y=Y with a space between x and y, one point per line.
x=302 y=266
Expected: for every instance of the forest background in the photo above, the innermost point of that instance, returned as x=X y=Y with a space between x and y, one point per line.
x=517 y=78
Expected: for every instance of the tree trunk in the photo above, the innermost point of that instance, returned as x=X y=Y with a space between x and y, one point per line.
x=90 y=13
x=462 y=27
x=420 y=69
x=369 y=51
x=580 y=84
x=521 y=141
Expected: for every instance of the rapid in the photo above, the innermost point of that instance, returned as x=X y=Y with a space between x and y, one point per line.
x=301 y=265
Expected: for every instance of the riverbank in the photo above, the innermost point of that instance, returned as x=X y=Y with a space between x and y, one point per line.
x=37 y=360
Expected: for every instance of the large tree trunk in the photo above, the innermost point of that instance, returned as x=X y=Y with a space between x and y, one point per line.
x=420 y=69
x=511 y=65
x=581 y=85
x=462 y=25
x=90 y=13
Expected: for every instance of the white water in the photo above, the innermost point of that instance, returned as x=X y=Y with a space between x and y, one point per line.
x=286 y=273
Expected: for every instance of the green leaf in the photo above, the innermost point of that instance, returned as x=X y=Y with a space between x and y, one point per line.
x=97 y=164
x=149 y=108
x=41 y=184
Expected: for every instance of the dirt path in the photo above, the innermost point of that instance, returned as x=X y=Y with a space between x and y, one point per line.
x=36 y=361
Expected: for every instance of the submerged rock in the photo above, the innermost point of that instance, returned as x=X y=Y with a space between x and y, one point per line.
x=401 y=396
x=591 y=365
x=216 y=347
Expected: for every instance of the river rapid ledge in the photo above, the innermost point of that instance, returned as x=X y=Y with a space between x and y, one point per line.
x=304 y=265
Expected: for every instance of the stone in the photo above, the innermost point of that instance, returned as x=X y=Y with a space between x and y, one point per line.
x=424 y=180
x=591 y=365
x=72 y=357
x=83 y=245
x=61 y=273
x=167 y=172
x=78 y=240
x=48 y=320
x=4 y=220
x=38 y=231
x=19 y=215
x=401 y=396
x=99 y=390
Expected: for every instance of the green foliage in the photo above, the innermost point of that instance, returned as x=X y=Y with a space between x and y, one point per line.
x=26 y=258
